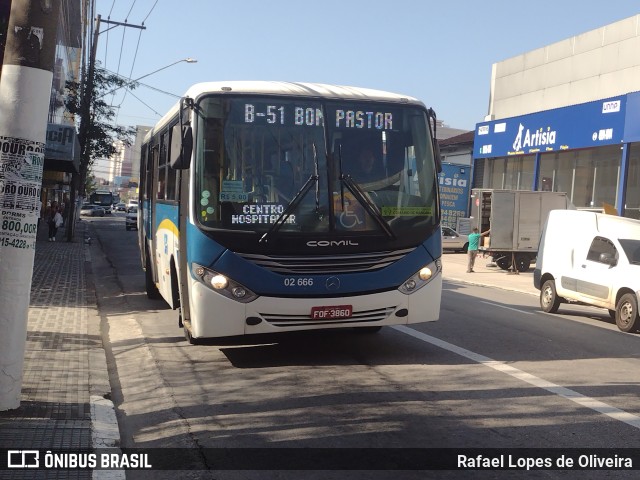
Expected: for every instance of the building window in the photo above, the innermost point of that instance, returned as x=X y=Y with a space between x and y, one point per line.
x=511 y=173
x=589 y=177
x=632 y=199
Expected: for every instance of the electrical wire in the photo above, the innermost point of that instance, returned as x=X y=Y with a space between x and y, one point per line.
x=145 y=18
x=132 y=5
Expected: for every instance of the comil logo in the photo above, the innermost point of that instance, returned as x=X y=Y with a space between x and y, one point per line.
x=537 y=138
x=23 y=459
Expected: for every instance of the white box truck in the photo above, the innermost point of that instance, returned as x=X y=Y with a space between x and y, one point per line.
x=592 y=259
x=516 y=219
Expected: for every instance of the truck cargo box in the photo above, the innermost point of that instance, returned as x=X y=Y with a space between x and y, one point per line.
x=516 y=219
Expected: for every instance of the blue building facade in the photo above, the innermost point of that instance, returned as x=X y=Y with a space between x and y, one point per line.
x=591 y=151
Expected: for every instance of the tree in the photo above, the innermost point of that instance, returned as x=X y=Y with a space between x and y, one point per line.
x=98 y=135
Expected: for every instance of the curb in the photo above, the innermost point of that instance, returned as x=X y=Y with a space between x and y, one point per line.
x=105 y=432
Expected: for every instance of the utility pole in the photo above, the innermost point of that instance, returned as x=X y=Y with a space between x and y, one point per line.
x=85 y=118
x=86 y=121
x=25 y=89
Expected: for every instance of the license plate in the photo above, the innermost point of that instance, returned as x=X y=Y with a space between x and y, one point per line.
x=331 y=312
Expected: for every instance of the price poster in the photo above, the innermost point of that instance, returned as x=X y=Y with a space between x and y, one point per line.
x=21 y=164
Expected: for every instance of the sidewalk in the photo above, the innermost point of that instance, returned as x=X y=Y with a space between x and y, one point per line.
x=65 y=379
x=454 y=268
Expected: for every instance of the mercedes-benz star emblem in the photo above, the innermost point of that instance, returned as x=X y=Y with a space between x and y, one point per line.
x=332 y=283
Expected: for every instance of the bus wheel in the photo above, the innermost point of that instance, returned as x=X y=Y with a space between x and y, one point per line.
x=627 y=317
x=188 y=337
x=152 y=291
x=549 y=300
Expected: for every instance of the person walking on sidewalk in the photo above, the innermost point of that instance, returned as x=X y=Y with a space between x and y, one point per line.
x=55 y=221
x=472 y=250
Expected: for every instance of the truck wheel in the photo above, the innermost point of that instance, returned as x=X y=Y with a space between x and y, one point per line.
x=549 y=300
x=627 y=317
x=503 y=261
x=522 y=263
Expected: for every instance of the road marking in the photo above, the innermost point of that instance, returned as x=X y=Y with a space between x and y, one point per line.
x=508 y=308
x=564 y=392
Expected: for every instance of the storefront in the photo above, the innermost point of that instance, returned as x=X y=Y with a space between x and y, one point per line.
x=61 y=160
x=590 y=151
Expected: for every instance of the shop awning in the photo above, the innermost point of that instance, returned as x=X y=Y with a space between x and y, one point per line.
x=62 y=153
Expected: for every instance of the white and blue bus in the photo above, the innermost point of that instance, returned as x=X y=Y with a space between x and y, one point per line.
x=271 y=207
x=103 y=198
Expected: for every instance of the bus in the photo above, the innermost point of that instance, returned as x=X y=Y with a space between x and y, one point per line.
x=104 y=198
x=271 y=207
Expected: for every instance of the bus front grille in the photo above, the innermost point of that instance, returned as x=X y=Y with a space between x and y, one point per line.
x=358 y=318
x=326 y=264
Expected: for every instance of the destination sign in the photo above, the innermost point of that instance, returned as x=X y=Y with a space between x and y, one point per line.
x=314 y=116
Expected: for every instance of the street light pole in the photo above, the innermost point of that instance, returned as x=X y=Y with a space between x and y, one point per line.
x=133 y=82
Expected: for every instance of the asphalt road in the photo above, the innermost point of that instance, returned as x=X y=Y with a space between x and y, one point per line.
x=494 y=372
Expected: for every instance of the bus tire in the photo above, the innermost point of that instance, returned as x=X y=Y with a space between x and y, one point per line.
x=175 y=289
x=152 y=291
x=188 y=337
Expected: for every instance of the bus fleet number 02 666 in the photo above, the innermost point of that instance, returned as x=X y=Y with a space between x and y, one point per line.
x=298 y=282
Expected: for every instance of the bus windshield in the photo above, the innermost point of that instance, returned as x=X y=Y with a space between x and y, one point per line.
x=314 y=166
x=101 y=198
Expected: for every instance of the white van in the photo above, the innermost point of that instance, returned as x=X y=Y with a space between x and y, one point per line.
x=593 y=259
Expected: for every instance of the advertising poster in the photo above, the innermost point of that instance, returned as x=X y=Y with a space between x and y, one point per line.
x=454 y=183
x=21 y=163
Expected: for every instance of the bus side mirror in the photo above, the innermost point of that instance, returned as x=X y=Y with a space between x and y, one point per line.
x=181 y=147
x=436 y=154
x=433 y=124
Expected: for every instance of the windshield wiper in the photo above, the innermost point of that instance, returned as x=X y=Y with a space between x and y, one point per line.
x=295 y=201
x=371 y=208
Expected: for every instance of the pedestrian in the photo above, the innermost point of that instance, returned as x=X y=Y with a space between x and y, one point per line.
x=55 y=221
x=472 y=250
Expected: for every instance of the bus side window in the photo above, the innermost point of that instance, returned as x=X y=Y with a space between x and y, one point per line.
x=161 y=183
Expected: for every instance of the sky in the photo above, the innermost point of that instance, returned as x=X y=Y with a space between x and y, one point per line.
x=440 y=52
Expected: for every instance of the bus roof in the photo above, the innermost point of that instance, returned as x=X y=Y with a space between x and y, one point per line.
x=293 y=89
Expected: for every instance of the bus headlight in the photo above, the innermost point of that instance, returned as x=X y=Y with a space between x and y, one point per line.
x=218 y=282
x=421 y=278
x=222 y=284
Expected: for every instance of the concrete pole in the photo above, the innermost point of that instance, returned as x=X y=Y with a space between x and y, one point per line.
x=25 y=89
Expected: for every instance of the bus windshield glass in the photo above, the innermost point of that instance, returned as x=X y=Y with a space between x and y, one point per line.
x=314 y=166
x=101 y=198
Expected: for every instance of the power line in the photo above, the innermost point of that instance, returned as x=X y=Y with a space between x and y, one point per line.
x=154 y=6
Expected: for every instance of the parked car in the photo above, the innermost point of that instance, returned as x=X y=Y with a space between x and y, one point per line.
x=131 y=220
x=89 y=210
x=120 y=207
x=592 y=259
x=452 y=240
